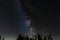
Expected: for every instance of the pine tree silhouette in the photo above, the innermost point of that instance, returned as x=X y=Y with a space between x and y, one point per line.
x=20 y=37
x=39 y=37
x=35 y=37
x=49 y=37
x=0 y=37
x=30 y=38
x=44 y=38
x=27 y=38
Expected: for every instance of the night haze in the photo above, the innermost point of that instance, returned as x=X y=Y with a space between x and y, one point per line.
x=14 y=15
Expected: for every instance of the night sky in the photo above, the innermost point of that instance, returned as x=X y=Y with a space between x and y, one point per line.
x=46 y=18
x=8 y=19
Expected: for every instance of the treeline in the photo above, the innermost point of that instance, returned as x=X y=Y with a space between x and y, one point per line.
x=37 y=37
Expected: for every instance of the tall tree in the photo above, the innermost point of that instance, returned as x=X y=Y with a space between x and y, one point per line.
x=19 y=37
x=39 y=37
x=0 y=37
x=45 y=38
x=49 y=37
x=27 y=38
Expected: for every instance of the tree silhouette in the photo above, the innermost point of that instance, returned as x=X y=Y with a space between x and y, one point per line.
x=49 y=37
x=35 y=37
x=44 y=38
x=0 y=37
x=39 y=37
x=27 y=38
x=30 y=38
x=20 y=37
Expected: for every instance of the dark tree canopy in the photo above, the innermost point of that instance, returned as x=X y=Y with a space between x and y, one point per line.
x=39 y=37
x=27 y=38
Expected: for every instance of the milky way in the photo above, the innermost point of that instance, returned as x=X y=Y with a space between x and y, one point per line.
x=22 y=20
x=45 y=17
